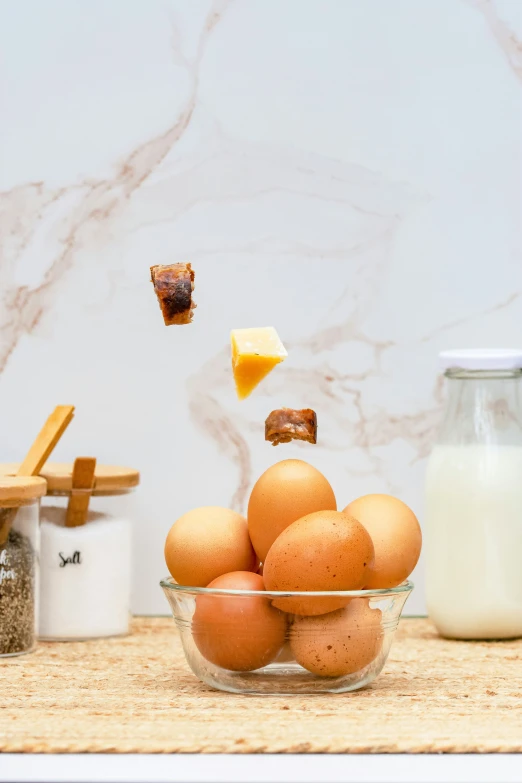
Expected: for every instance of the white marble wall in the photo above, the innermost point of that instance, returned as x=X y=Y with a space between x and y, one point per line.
x=347 y=171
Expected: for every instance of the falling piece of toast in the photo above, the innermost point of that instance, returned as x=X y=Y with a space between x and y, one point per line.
x=286 y=424
x=174 y=284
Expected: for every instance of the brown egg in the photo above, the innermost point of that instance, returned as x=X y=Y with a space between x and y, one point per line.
x=207 y=542
x=240 y=633
x=327 y=550
x=285 y=492
x=396 y=536
x=338 y=643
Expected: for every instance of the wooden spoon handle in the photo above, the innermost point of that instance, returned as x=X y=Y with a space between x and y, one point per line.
x=82 y=486
x=46 y=440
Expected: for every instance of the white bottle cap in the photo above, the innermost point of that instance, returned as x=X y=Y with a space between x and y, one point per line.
x=481 y=359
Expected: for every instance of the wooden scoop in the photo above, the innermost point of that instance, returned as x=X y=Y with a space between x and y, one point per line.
x=82 y=487
x=37 y=456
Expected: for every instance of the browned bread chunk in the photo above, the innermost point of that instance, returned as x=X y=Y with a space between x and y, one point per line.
x=286 y=424
x=174 y=284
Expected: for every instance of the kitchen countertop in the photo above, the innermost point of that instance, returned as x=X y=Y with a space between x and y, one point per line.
x=137 y=695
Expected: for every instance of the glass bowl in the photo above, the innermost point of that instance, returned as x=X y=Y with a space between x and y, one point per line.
x=241 y=641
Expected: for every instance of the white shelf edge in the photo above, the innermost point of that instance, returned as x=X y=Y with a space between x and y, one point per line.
x=224 y=768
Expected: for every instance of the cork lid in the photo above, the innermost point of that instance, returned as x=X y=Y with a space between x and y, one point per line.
x=18 y=490
x=108 y=479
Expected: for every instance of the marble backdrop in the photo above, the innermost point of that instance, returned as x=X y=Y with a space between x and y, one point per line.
x=347 y=171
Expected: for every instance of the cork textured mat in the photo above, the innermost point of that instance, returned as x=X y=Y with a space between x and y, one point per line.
x=137 y=694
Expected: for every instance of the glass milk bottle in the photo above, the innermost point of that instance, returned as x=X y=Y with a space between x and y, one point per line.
x=474 y=499
x=85 y=570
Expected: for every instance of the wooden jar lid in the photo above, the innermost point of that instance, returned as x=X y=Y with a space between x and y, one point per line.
x=19 y=490
x=108 y=479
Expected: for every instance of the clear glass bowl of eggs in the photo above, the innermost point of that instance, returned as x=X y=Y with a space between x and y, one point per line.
x=297 y=597
x=240 y=641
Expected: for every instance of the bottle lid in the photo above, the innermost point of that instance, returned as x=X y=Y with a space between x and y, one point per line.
x=18 y=490
x=108 y=479
x=481 y=359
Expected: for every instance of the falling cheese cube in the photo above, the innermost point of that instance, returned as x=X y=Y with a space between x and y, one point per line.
x=255 y=353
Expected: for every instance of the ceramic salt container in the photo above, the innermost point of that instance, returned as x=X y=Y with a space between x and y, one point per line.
x=85 y=552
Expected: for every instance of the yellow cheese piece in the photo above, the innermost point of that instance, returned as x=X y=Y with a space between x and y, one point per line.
x=255 y=353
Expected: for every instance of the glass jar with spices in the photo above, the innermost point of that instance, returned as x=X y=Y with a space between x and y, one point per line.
x=473 y=533
x=19 y=559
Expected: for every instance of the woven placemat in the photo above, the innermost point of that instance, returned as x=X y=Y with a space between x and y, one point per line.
x=137 y=694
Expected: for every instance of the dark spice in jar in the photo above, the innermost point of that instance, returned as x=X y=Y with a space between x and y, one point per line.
x=17 y=594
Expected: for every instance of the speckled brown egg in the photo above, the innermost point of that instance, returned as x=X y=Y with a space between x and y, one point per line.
x=327 y=550
x=338 y=643
x=207 y=542
x=285 y=492
x=239 y=633
x=396 y=535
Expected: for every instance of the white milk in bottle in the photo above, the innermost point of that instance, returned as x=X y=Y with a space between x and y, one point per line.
x=473 y=514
